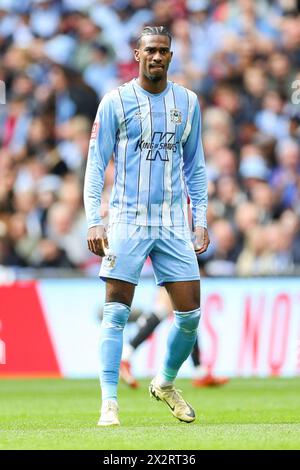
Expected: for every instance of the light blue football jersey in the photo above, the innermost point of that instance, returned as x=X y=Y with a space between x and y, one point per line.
x=156 y=143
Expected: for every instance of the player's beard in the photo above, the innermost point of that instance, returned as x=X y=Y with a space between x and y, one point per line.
x=157 y=76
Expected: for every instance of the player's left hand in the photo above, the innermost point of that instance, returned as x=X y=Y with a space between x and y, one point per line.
x=201 y=241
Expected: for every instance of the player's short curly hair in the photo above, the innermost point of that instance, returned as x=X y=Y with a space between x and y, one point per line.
x=154 y=31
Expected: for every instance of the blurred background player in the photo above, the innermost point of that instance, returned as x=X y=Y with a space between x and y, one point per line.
x=147 y=325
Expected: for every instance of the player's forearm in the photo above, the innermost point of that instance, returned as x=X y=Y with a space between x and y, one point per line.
x=197 y=189
x=92 y=210
x=199 y=216
x=93 y=185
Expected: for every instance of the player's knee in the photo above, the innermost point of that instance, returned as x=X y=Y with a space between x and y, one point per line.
x=115 y=315
x=188 y=321
x=119 y=291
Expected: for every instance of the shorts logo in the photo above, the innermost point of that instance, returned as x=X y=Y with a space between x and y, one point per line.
x=109 y=261
x=176 y=116
x=95 y=130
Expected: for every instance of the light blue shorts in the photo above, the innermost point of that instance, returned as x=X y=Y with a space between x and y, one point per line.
x=170 y=249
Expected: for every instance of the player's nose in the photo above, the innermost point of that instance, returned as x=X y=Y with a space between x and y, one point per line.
x=157 y=57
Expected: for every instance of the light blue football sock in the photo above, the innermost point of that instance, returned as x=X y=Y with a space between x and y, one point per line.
x=115 y=316
x=181 y=340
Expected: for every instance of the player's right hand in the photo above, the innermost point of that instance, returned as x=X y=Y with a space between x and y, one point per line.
x=97 y=240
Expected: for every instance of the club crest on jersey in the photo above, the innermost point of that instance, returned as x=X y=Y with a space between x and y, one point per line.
x=109 y=261
x=176 y=116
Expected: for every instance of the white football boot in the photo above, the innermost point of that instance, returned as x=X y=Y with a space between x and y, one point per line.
x=109 y=414
x=178 y=406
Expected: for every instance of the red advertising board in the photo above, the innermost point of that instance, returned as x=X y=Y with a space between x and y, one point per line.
x=25 y=344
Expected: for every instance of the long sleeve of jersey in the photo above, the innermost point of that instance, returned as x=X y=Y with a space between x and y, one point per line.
x=101 y=148
x=194 y=170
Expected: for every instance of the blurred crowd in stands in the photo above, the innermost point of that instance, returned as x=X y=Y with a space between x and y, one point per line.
x=242 y=58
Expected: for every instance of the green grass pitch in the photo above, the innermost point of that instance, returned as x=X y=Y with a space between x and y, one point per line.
x=62 y=414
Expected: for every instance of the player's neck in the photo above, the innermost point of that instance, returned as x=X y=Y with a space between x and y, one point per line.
x=151 y=86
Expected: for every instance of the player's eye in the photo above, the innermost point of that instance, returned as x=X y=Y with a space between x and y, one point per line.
x=151 y=50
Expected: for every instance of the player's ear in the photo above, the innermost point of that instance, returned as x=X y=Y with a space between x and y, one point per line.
x=137 y=55
x=171 y=56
